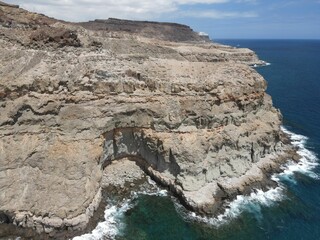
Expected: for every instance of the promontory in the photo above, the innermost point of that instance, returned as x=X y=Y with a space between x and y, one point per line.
x=75 y=97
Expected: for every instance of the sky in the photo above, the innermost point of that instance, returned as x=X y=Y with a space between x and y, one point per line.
x=221 y=19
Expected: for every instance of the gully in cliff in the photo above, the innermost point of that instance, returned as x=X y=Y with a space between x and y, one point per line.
x=77 y=97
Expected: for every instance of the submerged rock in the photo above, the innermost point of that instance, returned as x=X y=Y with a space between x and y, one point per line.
x=193 y=115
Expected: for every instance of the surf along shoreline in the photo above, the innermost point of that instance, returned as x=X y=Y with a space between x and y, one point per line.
x=111 y=226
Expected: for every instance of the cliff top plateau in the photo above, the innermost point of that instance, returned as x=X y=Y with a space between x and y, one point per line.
x=76 y=97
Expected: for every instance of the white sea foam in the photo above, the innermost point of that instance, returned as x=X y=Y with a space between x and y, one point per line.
x=112 y=225
x=259 y=198
x=261 y=65
x=114 y=214
x=159 y=192
x=152 y=190
x=307 y=162
x=252 y=203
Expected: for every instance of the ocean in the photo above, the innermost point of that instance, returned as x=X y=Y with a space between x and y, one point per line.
x=291 y=211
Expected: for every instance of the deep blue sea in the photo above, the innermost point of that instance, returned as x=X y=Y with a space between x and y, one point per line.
x=291 y=211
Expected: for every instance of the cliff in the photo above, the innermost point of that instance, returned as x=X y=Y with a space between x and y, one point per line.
x=75 y=97
x=164 y=31
x=8 y=5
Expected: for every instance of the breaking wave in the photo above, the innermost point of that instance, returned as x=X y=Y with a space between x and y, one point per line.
x=305 y=165
x=252 y=203
x=113 y=223
x=263 y=64
x=257 y=199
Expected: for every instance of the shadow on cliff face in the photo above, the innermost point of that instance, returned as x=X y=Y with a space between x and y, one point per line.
x=143 y=148
x=55 y=37
x=10 y=231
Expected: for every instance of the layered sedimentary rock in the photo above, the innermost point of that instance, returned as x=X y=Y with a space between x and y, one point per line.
x=194 y=115
x=164 y=31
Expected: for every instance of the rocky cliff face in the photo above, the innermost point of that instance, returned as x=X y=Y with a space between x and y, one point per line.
x=194 y=116
x=164 y=31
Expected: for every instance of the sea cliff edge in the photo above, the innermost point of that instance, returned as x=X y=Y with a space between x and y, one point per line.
x=75 y=97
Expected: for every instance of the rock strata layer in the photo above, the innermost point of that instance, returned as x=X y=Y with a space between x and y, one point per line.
x=164 y=31
x=193 y=114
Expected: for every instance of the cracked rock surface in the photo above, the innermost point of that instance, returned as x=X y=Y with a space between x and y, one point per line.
x=193 y=114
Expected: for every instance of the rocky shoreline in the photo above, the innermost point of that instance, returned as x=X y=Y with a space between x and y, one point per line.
x=75 y=99
x=124 y=177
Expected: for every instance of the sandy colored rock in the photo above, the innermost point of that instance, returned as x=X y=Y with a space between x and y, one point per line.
x=193 y=114
x=120 y=172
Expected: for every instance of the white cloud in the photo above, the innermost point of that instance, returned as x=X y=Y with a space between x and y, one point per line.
x=83 y=10
x=182 y=2
x=246 y=1
x=219 y=14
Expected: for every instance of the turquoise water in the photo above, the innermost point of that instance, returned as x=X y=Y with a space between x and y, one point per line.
x=289 y=212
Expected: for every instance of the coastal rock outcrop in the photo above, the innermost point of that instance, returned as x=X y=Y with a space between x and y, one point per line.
x=193 y=114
